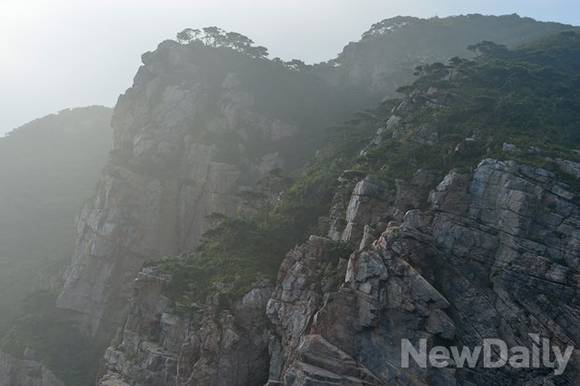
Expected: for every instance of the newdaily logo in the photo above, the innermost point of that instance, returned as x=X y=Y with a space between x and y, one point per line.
x=493 y=353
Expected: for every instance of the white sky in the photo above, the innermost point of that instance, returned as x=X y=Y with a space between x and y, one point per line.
x=66 y=53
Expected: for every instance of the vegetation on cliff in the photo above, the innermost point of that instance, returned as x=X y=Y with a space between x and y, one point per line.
x=467 y=110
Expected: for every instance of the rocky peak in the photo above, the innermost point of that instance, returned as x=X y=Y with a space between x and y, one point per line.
x=199 y=125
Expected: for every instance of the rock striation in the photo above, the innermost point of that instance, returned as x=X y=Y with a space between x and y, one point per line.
x=494 y=255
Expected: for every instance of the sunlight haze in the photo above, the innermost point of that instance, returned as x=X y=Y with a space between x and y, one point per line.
x=62 y=54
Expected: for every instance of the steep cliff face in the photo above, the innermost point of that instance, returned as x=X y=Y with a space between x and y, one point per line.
x=199 y=124
x=211 y=345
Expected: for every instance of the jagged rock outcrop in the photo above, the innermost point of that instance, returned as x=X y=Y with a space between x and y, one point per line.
x=25 y=372
x=495 y=255
x=481 y=248
x=212 y=345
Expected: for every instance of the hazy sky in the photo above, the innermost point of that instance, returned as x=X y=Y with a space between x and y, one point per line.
x=66 y=53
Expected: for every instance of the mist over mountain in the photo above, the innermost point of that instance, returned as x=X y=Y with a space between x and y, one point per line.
x=385 y=57
x=48 y=168
x=261 y=222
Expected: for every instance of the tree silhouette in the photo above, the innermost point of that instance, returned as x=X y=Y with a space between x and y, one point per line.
x=238 y=41
x=257 y=52
x=184 y=36
x=217 y=37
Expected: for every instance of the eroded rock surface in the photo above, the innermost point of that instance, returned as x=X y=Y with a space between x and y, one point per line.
x=204 y=346
x=495 y=255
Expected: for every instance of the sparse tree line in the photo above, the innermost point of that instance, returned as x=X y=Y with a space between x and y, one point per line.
x=216 y=37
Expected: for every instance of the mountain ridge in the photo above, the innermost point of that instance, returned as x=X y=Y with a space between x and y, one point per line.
x=209 y=131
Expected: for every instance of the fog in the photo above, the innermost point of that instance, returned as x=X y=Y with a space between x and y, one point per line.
x=67 y=53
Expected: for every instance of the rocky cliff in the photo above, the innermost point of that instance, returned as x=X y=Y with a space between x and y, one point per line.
x=484 y=251
x=478 y=263
x=234 y=240
x=210 y=346
x=493 y=255
x=439 y=229
x=199 y=125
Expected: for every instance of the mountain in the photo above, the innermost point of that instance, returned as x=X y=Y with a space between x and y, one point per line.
x=385 y=57
x=48 y=167
x=202 y=122
x=455 y=219
x=254 y=225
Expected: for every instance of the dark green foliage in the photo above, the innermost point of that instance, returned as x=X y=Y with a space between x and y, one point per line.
x=529 y=92
x=389 y=51
x=232 y=256
x=528 y=97
x=238 y=251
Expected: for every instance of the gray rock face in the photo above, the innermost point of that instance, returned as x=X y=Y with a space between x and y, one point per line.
x=494 y=254
x=210 y=346
x=188 y=136
x=25 y=372
x=369 y=204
